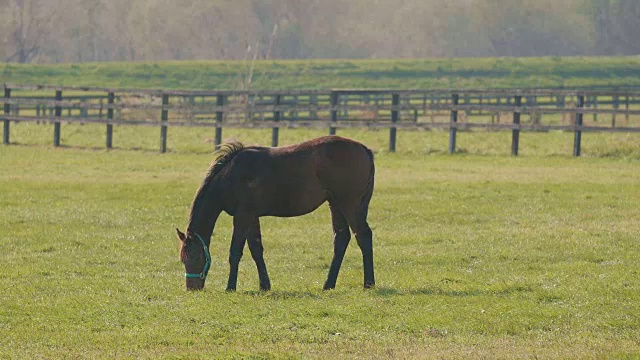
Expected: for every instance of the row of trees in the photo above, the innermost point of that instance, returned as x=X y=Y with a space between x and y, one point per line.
x=49 y=31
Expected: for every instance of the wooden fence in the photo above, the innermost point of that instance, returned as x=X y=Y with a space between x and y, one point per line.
x=452 y=109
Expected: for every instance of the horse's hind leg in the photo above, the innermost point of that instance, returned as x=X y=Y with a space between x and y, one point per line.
x=357 y=218
x=342 y=235
x=364 y=236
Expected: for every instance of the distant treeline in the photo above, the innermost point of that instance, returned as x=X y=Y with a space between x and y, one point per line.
x=54 y=31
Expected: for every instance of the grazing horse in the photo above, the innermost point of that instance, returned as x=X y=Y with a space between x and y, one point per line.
x=252 y=181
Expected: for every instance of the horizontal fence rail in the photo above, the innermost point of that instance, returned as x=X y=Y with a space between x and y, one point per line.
x=514 y=110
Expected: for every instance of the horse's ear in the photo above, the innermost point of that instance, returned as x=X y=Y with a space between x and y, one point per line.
x=181 y=235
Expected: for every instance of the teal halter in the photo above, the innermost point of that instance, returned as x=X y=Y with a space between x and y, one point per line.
x=207 y=265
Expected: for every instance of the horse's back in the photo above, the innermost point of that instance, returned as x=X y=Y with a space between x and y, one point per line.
x=325 y=156
x=332 y=147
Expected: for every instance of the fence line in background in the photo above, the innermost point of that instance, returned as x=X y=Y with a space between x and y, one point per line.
x=7 y=111
x=334 y=109
x=515 y=133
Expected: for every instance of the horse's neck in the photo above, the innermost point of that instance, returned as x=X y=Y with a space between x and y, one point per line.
x=204 y=218
x=204 y=224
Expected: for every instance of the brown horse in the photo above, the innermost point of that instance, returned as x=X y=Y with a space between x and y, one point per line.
x=250 y=182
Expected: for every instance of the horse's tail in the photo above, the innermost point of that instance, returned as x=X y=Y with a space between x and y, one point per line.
x=372 y=173
x=368 y=192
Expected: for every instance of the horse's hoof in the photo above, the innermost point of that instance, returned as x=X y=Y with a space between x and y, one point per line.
x=231 y=290
x=369 y=285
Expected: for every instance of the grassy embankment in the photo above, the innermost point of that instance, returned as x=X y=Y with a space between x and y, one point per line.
x=315 y=74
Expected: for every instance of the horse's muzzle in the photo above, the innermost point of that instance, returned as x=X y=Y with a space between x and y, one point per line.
x=195 y=284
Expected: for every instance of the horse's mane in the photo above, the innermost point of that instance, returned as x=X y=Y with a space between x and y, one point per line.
x=223 y=156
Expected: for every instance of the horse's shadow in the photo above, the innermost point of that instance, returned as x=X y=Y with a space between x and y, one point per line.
x=437 y=291
x=284 y=294
x=383 y=291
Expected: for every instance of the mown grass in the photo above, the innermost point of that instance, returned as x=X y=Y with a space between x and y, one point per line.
x=477 y=254
x=322 y=74
x=200 y=140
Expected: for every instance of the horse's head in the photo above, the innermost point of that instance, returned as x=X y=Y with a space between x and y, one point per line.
x=195 y=256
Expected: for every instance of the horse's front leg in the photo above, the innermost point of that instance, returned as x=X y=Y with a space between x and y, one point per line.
x=238 y=240
x=254 y=238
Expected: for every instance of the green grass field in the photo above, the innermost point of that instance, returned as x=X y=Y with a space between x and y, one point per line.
x=478 y=254
x=323 y=74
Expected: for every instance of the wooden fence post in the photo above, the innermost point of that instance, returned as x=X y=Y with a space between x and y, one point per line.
x=110 y=98
x=56 y=124
x=7 y=111
x=220 y=100
x=577 y=137
x=164 y=117
x=334 y=112
x=515 y=136
x=626 y=107
x=313 y=102
x=345 y=108
x=276 y=117
x=454 y=119
x=616 y=105
x=395 y=112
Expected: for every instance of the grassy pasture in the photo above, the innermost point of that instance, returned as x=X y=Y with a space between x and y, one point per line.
x=477 y=254
x=409 y=142
x=323 y=74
